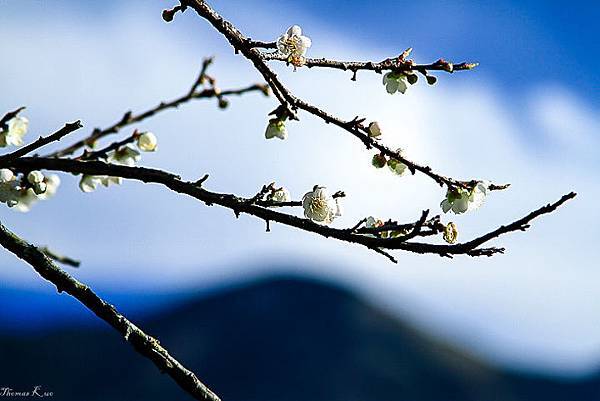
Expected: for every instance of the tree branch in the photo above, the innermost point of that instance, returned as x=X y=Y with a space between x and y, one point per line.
x=43 y=141
x=146 y=345
x=291 y=103
x=65 y=260
x=391 y=64
x=10 y=115
x=246 y=205
x=130 y=118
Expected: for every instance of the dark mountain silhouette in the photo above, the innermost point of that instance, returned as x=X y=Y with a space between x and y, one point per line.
x=272 y=340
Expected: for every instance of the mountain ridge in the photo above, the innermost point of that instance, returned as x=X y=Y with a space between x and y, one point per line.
x=277 y=338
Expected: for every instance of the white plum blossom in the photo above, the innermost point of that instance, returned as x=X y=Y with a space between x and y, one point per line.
x=319 y=206
x=276 y=128
x=36 y=179
x=397 y=166
x=374 y=222
x=294 y=45
x=462 y=200
x=107 y=180
x=27 y=197
x=456 y=200
x=8 y=187
x=280 y=195
x=89 y=183
x=147 y=142
x=374 y=129
x=52 y=183
x=395 y=81
x=21 y=195
x=16 y=130
x=478 y=194
x=124 y=156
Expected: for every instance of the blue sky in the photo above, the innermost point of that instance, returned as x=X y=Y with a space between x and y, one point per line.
x=528 y=115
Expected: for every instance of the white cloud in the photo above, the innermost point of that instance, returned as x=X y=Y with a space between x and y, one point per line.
x=538 y=297
x=565 y=120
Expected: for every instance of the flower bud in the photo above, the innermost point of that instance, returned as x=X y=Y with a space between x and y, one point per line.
x=397 y=166
x=223 y=103
x=147 y=142
x=35 y=177
x=276 y=128
x=374 y=129
x=431 y=80
x=412 y=78
x=450 y=233
x=379 y=160
x=279 y=195
x=39 y=188
x=6 y=175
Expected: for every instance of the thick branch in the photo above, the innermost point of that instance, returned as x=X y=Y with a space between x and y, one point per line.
x=245 y=205
x=142 y=342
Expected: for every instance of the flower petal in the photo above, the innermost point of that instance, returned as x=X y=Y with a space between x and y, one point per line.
x=446 y=205
x=294 y=30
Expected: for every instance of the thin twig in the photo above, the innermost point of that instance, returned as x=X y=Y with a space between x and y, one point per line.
x=42 y=141
x=103 y=153
x=10 y=115
x=65 y=260
x=130 y=118
x=391 y=64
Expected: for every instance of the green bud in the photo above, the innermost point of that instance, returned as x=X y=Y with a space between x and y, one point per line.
x=431 y=79
x=167 y=15
x=379 y=161
x=412 y=78
x=396 y=166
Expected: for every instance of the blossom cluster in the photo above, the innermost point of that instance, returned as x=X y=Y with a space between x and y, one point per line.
x=398 y=81
x=20 y=191
x=395 y=165
x=124 y=156
x=460 y=200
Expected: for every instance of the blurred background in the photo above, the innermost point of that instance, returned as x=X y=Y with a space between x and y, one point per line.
x=286 y=315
